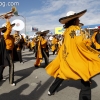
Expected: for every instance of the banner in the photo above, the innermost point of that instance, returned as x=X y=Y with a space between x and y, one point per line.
x=91 y=26
x=59 y=30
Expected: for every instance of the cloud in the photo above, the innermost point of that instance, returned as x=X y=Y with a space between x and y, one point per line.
x=50 y=6
x=52 y=10
x=48 y=16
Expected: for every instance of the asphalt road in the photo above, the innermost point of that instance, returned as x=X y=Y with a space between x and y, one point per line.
x=33 y=84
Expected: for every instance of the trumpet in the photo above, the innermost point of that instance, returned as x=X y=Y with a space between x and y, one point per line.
x=10 y=13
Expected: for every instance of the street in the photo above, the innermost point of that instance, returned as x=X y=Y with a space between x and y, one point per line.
x=33 y=83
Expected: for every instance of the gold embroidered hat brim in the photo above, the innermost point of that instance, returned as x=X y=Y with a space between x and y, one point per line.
x=39 y=32
x=4 y=28
x=64 y=20
x=44 y=32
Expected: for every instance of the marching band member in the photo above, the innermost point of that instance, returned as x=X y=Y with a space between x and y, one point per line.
x=19 y=45
x=42 y=48
x=59 y=45
x=33 y=43
x=29 y=45
x=3 y=60
x=96 y=39
x=23 y=42
x=75 y=60
x=54 y=44
x=9 y=42
x=85 y=35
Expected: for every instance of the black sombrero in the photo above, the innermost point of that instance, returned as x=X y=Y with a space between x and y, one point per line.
x=71 y=15
x=4 y=27
x=42 y=32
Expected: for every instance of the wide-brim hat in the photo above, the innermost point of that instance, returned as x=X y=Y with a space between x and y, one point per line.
x=12 y=25
x=43 y=32
x=71 y=15
x=37 y=33
x=54 y=35
x=4 y=27
x=81 y=24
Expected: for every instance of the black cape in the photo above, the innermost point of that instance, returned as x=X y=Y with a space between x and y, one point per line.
x=2 y=50
x=97 y=38
x=3 y=53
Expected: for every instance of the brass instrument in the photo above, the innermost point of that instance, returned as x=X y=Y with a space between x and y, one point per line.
x=17 y=38
x=10 y=13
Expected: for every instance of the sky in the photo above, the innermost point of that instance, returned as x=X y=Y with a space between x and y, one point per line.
x=45 y=14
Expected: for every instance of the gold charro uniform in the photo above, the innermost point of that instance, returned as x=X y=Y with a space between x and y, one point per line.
x=41 y=44
x=59 y=45
x=54 y=42
x=9 y=39
x=39 y=53
x=17 y=41
x=75 y=59
x=33 y=43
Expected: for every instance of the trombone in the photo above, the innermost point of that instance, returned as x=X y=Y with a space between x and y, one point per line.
x=10 y=13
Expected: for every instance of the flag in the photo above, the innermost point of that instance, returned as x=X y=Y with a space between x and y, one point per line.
x=34 y=29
